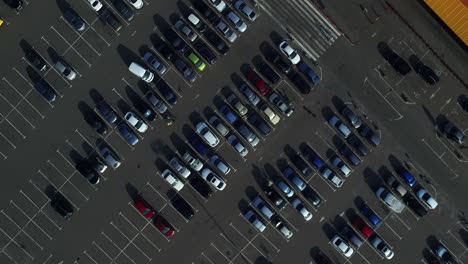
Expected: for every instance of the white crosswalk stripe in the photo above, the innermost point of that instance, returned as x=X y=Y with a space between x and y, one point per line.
x=313 y=32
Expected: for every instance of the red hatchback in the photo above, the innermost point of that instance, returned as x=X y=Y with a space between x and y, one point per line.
x=362 y=226
x=165 y=229
x=144 y=208
x=258 y=82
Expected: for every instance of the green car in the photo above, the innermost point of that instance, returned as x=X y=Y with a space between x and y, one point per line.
x=196 y=61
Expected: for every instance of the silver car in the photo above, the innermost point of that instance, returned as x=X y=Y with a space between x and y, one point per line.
x=340 y=165
x=237 y=104
x=184 y=29
x=151 y=59
x=110 y=157
x=157 y=103
x=237 y=145
x=220 y=164
x=248 y=135
x=280 y=104
x=246 y=10
x=228 y=33
x=194 y=163
x=65 y=69
x=219 y=126
x=177 y=166
x=236 y=21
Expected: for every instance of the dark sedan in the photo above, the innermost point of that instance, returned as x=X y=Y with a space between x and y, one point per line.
x=61 y=205
x=88 y=172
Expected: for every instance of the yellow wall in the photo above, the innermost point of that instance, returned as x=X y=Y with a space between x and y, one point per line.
x=454 y=13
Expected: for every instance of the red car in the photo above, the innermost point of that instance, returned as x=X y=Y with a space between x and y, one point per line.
x=144 y=208
x=362 y=226
x=258 y=82
x=165 y=229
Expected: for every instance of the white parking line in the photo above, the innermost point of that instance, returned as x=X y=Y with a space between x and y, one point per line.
x=130 y=241
x=21 y=229
x=24 y=98
x=49 y=257
x=12 y=239
x=149 y=221
x=440 y=158
x=239 y=252
x=6 y=139
x=40 y=208
x=170 y=204
x=458 y=240
x=396 y=234
x=59 y=188
x=105 y=253
x=400 y=116
x=86 y=253
x=30 y=220
x=70 y=46
x=248 y=241
x=15 y=109
x=154 y=189
x=133 y=110
x=122 y=251
x=207 y=258
x=220 y=252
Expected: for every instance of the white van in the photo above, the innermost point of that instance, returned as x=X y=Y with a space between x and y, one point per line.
x=145 y=74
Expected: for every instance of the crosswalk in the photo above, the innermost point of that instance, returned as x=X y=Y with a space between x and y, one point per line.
x=310 y=29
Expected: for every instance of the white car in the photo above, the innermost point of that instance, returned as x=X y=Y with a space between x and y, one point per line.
x=289 y=52
x=237 y=145
x=390 y=200
x=300 y=207
x=95 y=4
x=205 y=132
x=272 y=116
x=236 y=21
x=218 y=125
x=426 y=198
x=237 y=104
x=65 y=70
x=220 y=164
x=194 y=163
x=332 y=177
x=246 y=10
x=213 y=179
x=177 y=166
x=282 y=228
x=230 y=35
x=136 y=122
x=218 y=4
x=136 y=3
x=342 y=247
x=255 y=220
x=172 y=180
x=378 y=244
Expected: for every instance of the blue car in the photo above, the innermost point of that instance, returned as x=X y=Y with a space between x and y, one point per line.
x=230 y=115
x=128 y=134
x=373 y=218
x=304 y=68
x=47 y=92
x=409 y=178
x=198 y=145
x=318 y=162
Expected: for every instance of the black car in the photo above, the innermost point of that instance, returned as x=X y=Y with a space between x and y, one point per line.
x=463 y=102
x=112 y=20
x=167 y=92
x=277 y=60
x=97 y=123
x=351 y=117
x=310 y=194
x=414 y=205
x=393 y=59
x=44 y=89
x=300 y=164
x=183 y=207
x=88 y=172
x=216 y=41
x=123 y=9
x=201 y=186
x=36 y=60
x=350 y=155
x=275 y=198
x=454 y=133
x=61 y=205
x=15 y=4
x=206 y=11
x=145 y=110
x=164 y=50
x=299 y=82
x=206 y=52
x=178 y=43
x=260 y=124
x=429 y=76
x=187 y=71
x=360 y=147
x=106 y=111
x=268 y=72
x=74 y=19
x=368 y=133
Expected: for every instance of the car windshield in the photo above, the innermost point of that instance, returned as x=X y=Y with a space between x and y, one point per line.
x=165 y=230
x=146 y=75
x=146 y=211
x=426 y=196
x=138 y=124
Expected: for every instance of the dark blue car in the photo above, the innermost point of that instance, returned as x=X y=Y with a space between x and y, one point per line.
x=127 y=134
x=304 y=68
x=47 y=92
x=409 y=178
x=230 y=115
x=373 y=218
x=198 y=145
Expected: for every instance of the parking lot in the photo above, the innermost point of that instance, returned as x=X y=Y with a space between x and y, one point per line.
x=42 y=142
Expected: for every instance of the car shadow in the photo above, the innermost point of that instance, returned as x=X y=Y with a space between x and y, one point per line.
x=236 y=79
x=372 y=179
x=276 y=37
x=260 y=177
x=128 y=56
x=251 y=192
x=463 y=235
x=329 y=230
x=132 y=192
x=161 y=23
x=178 y=143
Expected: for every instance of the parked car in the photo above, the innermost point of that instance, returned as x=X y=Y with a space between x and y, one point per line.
x=110 y=157
x=173 y=181
x=237 y=104
x=390 y=200
x=285 y=188
x=378 y=244
x=335 y=122
x=350 y=155
x=351 y=117
x=267 y=212
x=179 y=168
x=125 y=11
x=201 y=186
x=196 y=22
x=205 y=132
x=248 y=135
x=95 y=4
x=426 y=198
x=88 y=172
x=185 y=30
x=167 y=92
x=249 y=94
x=219 y=125
x=280 y=64
x=237 y=145
x=206 y=52
x=187 y=72
x=164 y=50
x=193 y=162
x=302 y=166
x=112 y=20
x=371 y=215
x=292 y=176
x=136 y=122
x=261 y=86
x=300 y=207
x=127 y=134
x=220 y=5
x=44 y=89
x=341 y=166
x=351 y=236
x=246 y=10
x=360 y=147
x=236 y=21
x=365 y=131
x=206 y=11
x=144 y=208
x=17 y=5
x=164 y=228
x=227 y=32
x=178 y=43
x=106 y=111
x=65 y=69
x=340 y=244
x=268 y=112
x=396 y=186
x=290 y=53
x=141 y=72
x=97 y=123
x=331 y=176
x=307 y=71
x=300 y=83
x=230 y=116
x=454 y=133
x=212 y=178
x=198 y=145
x=444 y=255
x=157 y=102
x=360 y=225
x=196 y=61
x=155 y=63
x=99 y=165
x=258 y=123
x=253 y=219
x=415 y=206
x=145 y=110
x=136 y=3
x=36 y=60
x=282 y=228
x=61 y=205
x=220 y=164
x=398 y=64
x=275 y=197
x=426 y=73
x=216 y=42
x=280 y=104
x=182 y=207
x=268 y=72
x=408 y=177
x=310 y=194
x=74 y=19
